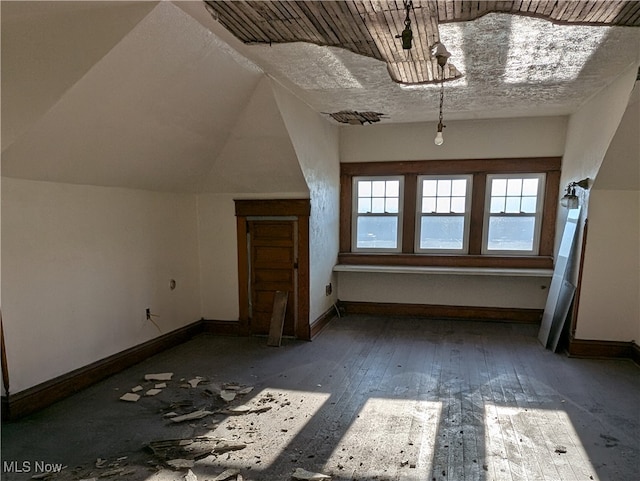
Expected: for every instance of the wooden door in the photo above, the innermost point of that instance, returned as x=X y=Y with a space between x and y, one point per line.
x=273 y=253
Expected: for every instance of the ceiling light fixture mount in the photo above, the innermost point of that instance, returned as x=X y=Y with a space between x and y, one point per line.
x=570 y=200
x=440 y=52
x=407 y=34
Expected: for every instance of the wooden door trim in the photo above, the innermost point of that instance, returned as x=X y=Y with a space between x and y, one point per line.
x=301 y=209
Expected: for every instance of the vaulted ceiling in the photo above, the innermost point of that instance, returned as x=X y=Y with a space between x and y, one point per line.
x=165 y=96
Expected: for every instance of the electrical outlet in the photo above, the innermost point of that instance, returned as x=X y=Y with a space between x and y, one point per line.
x=328 y=289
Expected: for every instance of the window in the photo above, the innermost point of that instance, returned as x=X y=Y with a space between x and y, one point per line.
x=450 y=213
x=443 y=214
x=513 y=214
x=377 y=216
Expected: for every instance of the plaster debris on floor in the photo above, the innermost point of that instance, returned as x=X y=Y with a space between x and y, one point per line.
x=205 y=403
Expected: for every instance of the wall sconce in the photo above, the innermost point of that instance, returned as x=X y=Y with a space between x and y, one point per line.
x=570 y=200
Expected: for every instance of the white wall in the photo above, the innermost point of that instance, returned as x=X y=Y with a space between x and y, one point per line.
x=81 y=264
x=591 y=129
x=478 y=139
x=610 y=296
x=440 y=289
x=315 y=141
x=218 y=257
x=468 y=139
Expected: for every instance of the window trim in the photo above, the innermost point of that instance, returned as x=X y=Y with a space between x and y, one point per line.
x=419 y=214
x=355 y=214
x=541 y=176
x=479 y=168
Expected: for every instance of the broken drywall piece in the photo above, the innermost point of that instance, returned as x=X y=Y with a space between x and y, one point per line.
x=195 y=381
x=227 y=395
x=163 y=376
x=190 y=476
x=181 y=463
x=130 y=397
x=171 y=415
x=138 y=388
x=245 y=390
x=227 y=474
x=191 y=448
x=224 y=446
x=201 y=413
x=153 y=392
x=261 y=409
x=303 y=474
x=242 y=409
x=160 y=385
x=113 y=472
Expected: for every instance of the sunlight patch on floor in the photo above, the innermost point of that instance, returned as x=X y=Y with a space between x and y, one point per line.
x=382 y=423
x=268 y=433
x=526 y=443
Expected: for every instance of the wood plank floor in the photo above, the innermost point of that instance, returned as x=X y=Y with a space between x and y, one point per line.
x=371 y=398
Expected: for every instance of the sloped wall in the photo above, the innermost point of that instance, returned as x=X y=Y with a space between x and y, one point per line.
x=258 y=161
x=610 y=296
x=316 y=143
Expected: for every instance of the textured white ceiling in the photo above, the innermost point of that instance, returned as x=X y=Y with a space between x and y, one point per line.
x=513 y=66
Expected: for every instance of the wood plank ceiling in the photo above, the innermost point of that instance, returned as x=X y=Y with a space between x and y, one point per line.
x=370 y=27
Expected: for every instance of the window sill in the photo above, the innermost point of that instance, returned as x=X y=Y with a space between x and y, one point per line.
x=514 y=264
x=462 y=271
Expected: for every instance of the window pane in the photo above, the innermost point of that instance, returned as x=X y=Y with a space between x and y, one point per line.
x=392 y=205
x=499 y=187
x=513 y=205
x=514 y=187
x=428 y=205
x=459 y=187
x=441 y=232
x=378 y=188
x=530 y=187
x=497 y=204
x=444 y=187
x=377 y=205
x=364 y=206
x=443 y=205
x=429 y=187
x=364 y=188
x=511 y=233
x=393 y=188
x=377 y=232
x=457 y=205
x=528 y=205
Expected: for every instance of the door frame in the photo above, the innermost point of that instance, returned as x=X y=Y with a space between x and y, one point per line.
x=269 y=208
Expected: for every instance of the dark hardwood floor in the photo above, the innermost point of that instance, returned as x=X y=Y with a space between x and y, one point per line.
x=370 y=398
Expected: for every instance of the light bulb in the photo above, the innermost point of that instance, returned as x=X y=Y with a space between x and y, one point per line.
x=439 y=140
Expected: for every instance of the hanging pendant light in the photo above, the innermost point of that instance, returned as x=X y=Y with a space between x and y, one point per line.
x=440 y=52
